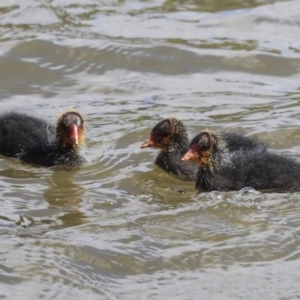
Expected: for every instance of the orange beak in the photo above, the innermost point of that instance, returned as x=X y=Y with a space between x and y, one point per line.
x=188 y=156
x=74 y=134
x=147 y=143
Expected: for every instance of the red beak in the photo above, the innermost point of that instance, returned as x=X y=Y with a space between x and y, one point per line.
x=188 y=156
x=74 y=134
x=147 y=143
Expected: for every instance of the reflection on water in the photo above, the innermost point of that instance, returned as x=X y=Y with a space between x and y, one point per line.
x=119 y=227
x=62 y=192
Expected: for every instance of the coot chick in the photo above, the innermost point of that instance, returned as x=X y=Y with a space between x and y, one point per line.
x=36 y=141
x=171 y=137
x=224 y=171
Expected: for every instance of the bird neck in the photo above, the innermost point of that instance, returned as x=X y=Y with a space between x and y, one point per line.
x=219 y=154
x=204 y=181
x=178 y=143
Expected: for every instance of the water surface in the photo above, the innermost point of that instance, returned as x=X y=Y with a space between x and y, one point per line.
x=119 y=227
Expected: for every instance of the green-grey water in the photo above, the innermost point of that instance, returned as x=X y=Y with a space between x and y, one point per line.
x=119 y=227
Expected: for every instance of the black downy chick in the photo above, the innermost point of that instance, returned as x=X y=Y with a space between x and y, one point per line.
x=34 y=140
x=221 y=170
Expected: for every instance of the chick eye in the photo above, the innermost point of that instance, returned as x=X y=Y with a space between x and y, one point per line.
x=164 y=133
x=203 y=146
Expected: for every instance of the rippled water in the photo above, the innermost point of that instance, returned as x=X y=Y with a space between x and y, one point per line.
x=119 y=227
